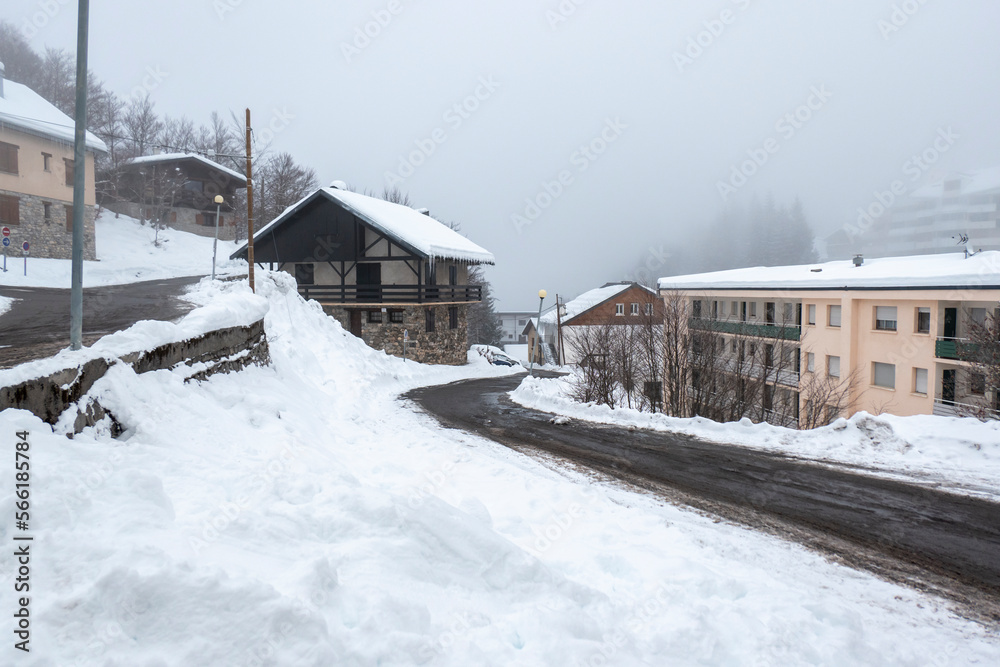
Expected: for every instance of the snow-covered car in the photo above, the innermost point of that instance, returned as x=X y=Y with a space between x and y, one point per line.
x=503 y=360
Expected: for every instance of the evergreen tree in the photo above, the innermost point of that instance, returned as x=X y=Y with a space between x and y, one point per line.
x=485 y=327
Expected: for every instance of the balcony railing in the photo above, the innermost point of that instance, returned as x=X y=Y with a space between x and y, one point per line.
x=954 y=348
x=943 y=408
x=403 y=294
x=739 y=328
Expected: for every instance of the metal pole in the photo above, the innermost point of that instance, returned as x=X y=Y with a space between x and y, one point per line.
x=79 y=180
x=249 y=205
x=215 y=243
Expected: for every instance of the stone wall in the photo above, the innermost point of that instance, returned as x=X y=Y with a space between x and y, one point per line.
x=442 y=346
x=48 y=238
x=223 y=350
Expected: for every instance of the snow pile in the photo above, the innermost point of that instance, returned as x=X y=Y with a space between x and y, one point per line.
x=300 y=514
x=5 y=304
x=959 y=454
x=127 y=255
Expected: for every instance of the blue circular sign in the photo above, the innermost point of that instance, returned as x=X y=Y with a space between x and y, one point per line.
x=6 y=241
x=25 y=246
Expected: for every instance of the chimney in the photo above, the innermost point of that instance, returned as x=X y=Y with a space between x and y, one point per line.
x=859 y=260
x=425 y=211
x=2 y=74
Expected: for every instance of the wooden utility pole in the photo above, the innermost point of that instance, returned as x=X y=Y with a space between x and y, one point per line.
x=249 y=204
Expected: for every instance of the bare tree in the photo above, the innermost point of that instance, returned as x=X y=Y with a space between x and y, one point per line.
x=824 y=398
x=141 y=125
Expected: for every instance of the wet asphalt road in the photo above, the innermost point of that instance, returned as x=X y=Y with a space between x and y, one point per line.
x=928 y=538
x=37 y=325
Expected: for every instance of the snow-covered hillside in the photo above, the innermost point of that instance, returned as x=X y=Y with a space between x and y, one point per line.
x=301 y=514
x=126 y=254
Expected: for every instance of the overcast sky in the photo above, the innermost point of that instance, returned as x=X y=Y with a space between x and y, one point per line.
x=668 y=96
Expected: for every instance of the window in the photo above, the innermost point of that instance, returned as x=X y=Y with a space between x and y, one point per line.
x=978 y=316
x=695 y=309
x=47 y=161
x=620 y=309
x=753 y=309
x=374 y=317
x=811 y=362
x=734 y=308
x=396 y=316
x=206 y=219
x=715 y=310
x=47 y=211
x=10 y=210
x=734 y=346
x=833 y=316
x=522 y=323
x=70 y=171
x=635 y=309
x=884 y=375
x=920 y=381
x=977 y=384
x=649 y=309
x=833 y=366
x=69 y=218
x=788 y=313
x=453 y=317
x=923 y=320
x=770 y=311
x=8 y=158
x=194 y=186
x=812 y=314
x=429 y=320
x=305 y=274
x=885 y=318
x=452 y=275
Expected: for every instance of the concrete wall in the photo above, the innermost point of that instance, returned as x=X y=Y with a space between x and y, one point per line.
x=219 y=351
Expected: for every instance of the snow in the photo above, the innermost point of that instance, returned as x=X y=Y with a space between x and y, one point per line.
x=585 y=302
x=959 y=455
x=421 y=232
x=23 y=109
x=126 y=254
x=944 y=270
x=301 y=514
x=170 y=157
x=5 y=304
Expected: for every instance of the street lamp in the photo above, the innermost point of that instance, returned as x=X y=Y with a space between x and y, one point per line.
x=215 y=243
x=538 y=330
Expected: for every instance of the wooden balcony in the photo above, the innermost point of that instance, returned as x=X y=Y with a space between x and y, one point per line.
x=392 y=294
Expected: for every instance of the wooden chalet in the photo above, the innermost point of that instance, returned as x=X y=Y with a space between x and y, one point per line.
x=384 y=270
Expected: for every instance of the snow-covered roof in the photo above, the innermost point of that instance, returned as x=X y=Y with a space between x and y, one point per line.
x=173 y=157
x=23 y=109
x=588 y=300
x=973 y=182
x=945 y=270
x=399 y=223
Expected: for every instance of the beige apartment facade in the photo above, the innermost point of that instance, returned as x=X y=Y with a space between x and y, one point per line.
x=889 y=331
x=37 y=170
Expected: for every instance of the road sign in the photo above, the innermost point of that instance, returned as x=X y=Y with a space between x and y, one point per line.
x=5 y=231
x=25 y=246
x=406 y=334
x=6 y=242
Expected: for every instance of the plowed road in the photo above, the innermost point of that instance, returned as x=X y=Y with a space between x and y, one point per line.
x=947 y=543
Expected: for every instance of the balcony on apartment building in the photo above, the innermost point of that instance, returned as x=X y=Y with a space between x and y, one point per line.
x=791 y=332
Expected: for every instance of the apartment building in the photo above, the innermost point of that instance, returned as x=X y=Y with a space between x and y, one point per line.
x=889 y=331
x=37 y=170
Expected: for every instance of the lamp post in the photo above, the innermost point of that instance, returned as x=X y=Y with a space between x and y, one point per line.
x=215 y=243
x=538 y=330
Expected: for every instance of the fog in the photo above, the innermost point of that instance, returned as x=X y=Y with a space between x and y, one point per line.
x=580 y=141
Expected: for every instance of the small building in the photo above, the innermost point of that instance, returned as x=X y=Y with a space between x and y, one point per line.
x=390 y=274
x=37 y=171
x=512 y=325
x=614 y=304
x=886 y=335
x=178 y=190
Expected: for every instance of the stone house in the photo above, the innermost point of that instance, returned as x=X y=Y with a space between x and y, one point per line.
x=179 y=189
x=37 y=172
x=388 y=273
